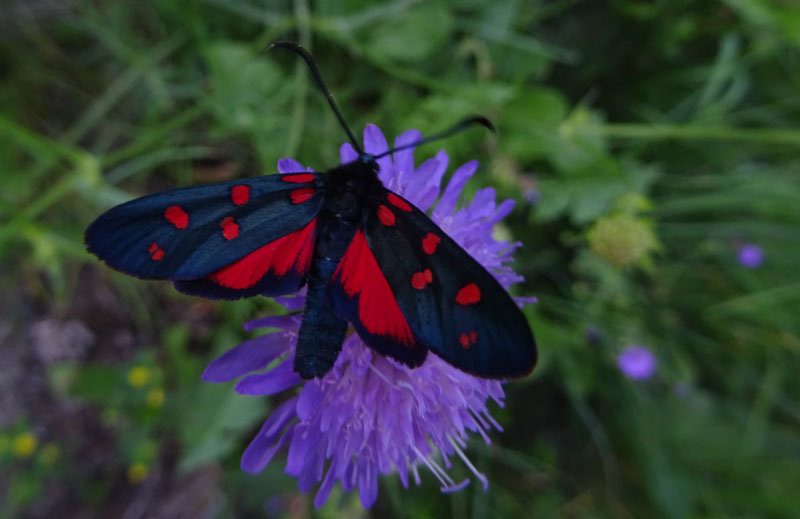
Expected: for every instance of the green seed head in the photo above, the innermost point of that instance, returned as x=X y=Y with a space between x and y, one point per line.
x=622 y=239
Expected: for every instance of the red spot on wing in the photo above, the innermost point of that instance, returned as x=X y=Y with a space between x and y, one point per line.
x=430 y=242
x=298 y=178
x=386 y=215
x=468 y=339
x=291 y=251
x=378 y=311
x=421 y=279
x=398 y=202
x=468 y=295
x=301 y=195
x=177 y=216
x=155 y=251
x=240 y=194
x=230 y=229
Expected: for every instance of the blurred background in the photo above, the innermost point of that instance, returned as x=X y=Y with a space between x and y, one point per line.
x=653 y=149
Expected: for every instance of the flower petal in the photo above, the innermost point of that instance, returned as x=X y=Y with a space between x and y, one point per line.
x=522 y=301
x=482 y=205
x=271 y=321
x=423 y=189
x=303 y=440
x=290 y=166
x=263 y=446
x=274 y=381
x=402 y=470
x=404 y=159
x=367 y=485
x=325 y=488
x=293 y=303
x=309 y=400
x=347 y=153
x=503 y=210
x=375 y=144
x=458 y=487
x=453 y=190
x=248 y=356
x=256 y=465
x=374 y=141
x=312 y=472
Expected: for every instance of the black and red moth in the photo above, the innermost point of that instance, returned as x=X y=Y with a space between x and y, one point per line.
x=368 y=257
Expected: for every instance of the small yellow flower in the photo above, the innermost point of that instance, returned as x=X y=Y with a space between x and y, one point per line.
x=137 y=473
x=155 y=398
x=24 y=445
x=49 y=454
x=138 y=376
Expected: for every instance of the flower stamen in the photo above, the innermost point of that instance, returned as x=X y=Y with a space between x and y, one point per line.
x=478 y=474
x=448 y=485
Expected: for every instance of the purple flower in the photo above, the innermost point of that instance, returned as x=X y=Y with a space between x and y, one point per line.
x=371 y=415
x=637 y=362
x=751 y=256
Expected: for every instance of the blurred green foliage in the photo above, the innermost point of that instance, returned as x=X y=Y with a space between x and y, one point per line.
x=645 y=143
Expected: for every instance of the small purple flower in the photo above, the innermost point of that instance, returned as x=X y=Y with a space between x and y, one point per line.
x=751 y=255
x=530 y=191
x=637 y=362
x=370 y=415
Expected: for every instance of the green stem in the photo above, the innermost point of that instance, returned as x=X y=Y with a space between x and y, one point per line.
x=769 y=297
x=691 y=132
x=154 y=136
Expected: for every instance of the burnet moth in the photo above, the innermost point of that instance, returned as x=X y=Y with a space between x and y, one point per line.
x=367 y=256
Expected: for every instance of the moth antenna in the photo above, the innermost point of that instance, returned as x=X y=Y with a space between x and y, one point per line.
x=461 y=125
x=303 y=53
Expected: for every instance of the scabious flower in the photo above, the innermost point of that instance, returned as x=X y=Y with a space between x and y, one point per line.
x=751 y=256
x=371 y=415
x=622 y=239
x=637 y=362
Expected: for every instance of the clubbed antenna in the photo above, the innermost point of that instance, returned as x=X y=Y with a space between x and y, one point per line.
x=303 y=53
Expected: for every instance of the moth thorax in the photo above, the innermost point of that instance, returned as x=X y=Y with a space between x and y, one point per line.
x=345 y=204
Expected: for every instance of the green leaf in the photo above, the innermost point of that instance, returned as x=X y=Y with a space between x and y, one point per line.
x=211 y=422
x=96 y=382
x=244 y=84
x=578 y=152
x=530 y=123
x=414 y=36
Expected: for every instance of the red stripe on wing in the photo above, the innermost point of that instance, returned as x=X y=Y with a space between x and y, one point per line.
x=293 y=250
x=378 y=311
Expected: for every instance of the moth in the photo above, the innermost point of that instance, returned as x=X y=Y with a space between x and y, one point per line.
x=367 y=256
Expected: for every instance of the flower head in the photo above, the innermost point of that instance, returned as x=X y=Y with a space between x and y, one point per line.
x=370 y=415
x=24 y=445
x=622 y=239
x=751 y=256
x=637 y=362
